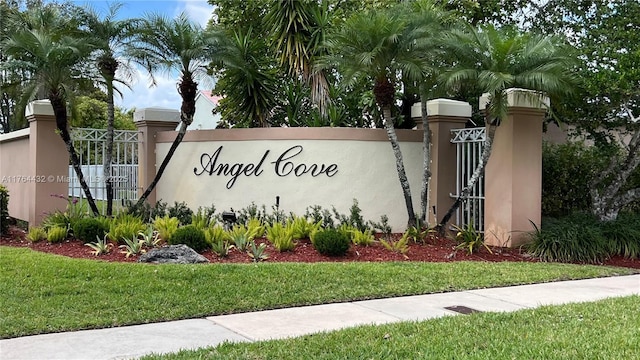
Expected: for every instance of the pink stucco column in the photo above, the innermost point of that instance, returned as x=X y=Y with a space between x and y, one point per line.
x=151 y=121
x=444 y=115
x=513 y=176
x=48 y=163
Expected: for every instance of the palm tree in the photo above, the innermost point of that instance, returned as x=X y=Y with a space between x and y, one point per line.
x=52 y=52
x=380 y=46
x=180 y=45
x=112 y=36
x=248 y=74
x=299 y=29
x=495 y=60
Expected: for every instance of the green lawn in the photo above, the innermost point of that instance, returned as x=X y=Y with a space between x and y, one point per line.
x=47 y=293
x=608 y=329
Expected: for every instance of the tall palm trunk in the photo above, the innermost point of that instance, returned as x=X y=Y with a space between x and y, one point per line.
x=426 y=163
x=109 y=151
x=108 y=66
x=187 y=89
x=60 y=112
x=402 y=175
x=477 y=173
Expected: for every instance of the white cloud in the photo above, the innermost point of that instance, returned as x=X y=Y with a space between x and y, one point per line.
x=198 y=10
x=164 y=94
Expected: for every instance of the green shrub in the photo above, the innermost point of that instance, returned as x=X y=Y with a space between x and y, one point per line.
x=281 y=237
x=191 y=236
x=89 y=229
x=317 y=214
x=57 y=234
x=166 y=226
x=147 y=212
x=76 y=209
x=125 y=226
x=354 y=218
x=568 y=170
x=577 y=238
x=623 y=235
x=4 y=210
x=331 y=242
x=36 y=234
x=56 y=219
x=181 y=211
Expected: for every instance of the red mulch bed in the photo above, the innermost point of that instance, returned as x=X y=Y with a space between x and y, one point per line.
x=434 y=250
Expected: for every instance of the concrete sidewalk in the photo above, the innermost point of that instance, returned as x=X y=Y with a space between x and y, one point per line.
x=134 y=341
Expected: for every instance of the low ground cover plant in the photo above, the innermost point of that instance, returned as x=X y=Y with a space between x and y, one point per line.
x=36 y=234
x=57 y=234
x=580 y=237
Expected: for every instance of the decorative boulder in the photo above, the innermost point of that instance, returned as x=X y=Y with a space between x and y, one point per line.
x=173 y=254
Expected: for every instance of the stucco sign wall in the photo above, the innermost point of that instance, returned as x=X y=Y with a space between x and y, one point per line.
x=302 y=166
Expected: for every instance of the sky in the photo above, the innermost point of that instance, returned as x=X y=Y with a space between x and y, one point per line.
x=164 y=94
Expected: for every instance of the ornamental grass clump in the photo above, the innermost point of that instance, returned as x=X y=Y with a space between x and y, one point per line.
x=331 y=242
x=166 y=226
x=623 y=235
x=281 y=237
x=302 y=228
x=356 y=236
x=400 y=246
x=36 y=234
x=573 y=239
x=125 y=226
x=57 y=234
x=191 y=236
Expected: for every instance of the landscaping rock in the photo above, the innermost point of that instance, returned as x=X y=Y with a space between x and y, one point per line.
x=173 y=254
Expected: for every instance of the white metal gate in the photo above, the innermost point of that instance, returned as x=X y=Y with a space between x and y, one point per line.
x=469 y=146
x=91 y=146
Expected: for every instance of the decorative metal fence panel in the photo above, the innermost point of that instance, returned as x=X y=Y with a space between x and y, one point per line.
x=469 y=147
x=91 y=146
